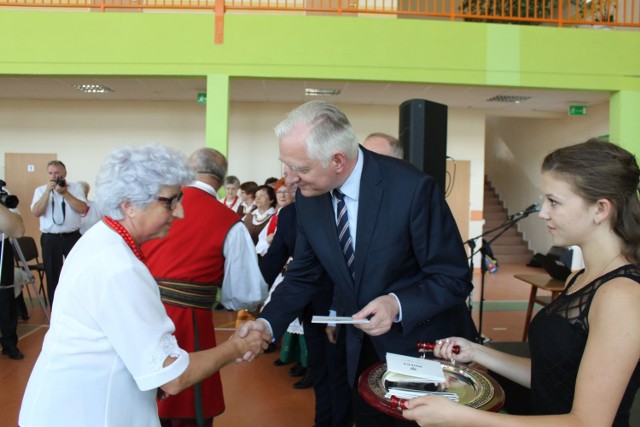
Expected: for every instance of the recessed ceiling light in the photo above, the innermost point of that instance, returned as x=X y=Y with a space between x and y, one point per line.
x=322 y=92
x=508 y=98
x=93 y=88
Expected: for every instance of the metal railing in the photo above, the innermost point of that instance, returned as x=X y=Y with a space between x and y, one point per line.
x=593 y=13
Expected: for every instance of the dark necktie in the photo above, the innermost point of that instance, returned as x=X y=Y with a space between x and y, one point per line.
x=344 y=236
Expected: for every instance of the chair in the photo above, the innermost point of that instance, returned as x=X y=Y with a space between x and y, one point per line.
x=30 y=252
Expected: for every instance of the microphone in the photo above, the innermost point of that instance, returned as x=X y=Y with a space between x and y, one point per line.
x=526 y=212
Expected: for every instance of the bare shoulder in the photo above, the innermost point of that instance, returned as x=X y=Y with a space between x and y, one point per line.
x=618 y=295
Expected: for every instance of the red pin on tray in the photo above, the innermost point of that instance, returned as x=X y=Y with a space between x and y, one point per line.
x=424 y=346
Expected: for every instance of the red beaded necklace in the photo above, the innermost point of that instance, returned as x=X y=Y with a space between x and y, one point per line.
x=118 y=228
x=233 y=202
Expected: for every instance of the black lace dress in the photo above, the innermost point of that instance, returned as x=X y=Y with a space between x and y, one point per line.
x=557 y=339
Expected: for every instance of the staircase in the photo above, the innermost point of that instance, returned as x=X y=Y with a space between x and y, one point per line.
x=510 y=247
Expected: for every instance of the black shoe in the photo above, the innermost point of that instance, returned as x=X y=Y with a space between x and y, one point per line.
x=13 y=353
x=297 y=371
x=306 y=381
x=279 y=362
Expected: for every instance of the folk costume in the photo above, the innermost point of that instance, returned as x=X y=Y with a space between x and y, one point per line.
x=256 y=222
x=233 y=204
x=189 y=266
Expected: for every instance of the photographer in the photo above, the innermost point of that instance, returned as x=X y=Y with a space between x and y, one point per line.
x=10 y=226
x=59 y=205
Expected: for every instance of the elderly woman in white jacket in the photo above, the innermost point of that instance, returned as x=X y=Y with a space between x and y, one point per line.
x=110 y=349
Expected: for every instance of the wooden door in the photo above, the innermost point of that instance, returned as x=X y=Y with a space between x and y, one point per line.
x=458 y=195
x=24 y=172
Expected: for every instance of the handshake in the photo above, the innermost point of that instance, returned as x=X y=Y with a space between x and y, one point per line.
x=251 y=338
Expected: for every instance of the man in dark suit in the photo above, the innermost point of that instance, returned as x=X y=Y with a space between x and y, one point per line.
x=410 y=274
x=333 y=406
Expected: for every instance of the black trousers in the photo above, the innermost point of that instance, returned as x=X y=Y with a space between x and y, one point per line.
x=55 y=247
x=329 y=369
x=8 y=308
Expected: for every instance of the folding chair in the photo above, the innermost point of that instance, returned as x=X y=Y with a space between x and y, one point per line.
x=32 y=257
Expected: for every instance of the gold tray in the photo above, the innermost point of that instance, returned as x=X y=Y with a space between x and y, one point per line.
x=474 y=388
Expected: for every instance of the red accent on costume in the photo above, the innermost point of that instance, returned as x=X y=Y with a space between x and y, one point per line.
x=273 y=224
x=193 y=251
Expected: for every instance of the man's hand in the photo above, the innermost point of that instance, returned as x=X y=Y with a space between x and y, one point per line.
x=61 y=190
x=248 y=327
x=331 y=334
x=381 y=313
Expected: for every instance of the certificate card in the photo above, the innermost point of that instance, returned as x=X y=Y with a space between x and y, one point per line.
x=338 y=319
x=417 y=369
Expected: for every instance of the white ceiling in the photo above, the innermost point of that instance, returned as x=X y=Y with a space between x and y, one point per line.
x=542 y=102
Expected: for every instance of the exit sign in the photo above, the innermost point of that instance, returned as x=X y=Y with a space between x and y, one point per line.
x=577 y=110
x=202 y=98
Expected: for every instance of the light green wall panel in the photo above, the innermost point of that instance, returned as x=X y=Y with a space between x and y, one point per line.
x=324 y=48
x=318 y=47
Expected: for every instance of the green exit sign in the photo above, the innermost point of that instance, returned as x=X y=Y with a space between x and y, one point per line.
x=577 y=110
x=202 y=98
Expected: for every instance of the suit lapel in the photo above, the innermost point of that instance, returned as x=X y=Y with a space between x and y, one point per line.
x=369 y=201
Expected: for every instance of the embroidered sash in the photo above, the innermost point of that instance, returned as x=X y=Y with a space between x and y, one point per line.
x=182 y=293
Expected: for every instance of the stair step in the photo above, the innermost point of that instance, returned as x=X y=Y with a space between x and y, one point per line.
x=493 y=208
x=509 y=249
x=510 y=232
x=514 y=259
x=495 y=216
x=509 y=240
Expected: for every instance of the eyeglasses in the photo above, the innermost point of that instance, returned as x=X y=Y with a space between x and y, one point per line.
x=172 y=202
x=280 y=192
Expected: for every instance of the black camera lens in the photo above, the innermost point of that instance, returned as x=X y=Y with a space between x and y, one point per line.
x=60 y=182
x=8 y=200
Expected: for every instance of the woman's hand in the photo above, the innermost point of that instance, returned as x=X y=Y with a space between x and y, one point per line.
x=444 y=349
x=432 y=411
x=253 y=344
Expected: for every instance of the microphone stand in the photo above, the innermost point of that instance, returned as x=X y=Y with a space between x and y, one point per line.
x=510 y=222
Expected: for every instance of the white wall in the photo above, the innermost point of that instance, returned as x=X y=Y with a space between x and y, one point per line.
x=515 y=150
x=82 y=133
x=253 y=148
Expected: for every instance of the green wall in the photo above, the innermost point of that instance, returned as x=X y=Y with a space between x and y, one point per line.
x=323 y=47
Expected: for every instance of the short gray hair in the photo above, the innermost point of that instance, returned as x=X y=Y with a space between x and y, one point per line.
x=209 y=161
x=137 y=174
x=331 y=130
x=232 y=180
x=396 y=146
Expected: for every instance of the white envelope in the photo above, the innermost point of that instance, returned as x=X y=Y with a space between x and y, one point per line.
x=338 y=319
x=414 y=369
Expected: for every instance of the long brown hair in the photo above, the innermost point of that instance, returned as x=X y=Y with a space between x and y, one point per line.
x=602 y=170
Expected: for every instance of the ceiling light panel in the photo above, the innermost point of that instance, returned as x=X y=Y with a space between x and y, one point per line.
x=514 y=99
x=89 y=88
x=322 y=92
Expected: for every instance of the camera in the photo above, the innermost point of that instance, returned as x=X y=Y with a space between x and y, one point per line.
x=60 y=182
x=7 y=200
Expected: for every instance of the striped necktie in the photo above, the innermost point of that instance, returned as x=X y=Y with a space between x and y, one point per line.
x=344 y=236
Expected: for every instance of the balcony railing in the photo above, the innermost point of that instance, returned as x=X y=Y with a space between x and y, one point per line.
x=590 y=13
